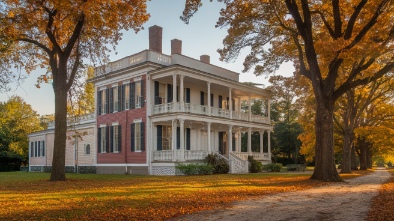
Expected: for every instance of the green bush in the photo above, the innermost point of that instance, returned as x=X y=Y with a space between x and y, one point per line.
x=254 y=165
x=194 y=169
x=273 y=167
x=220 y=165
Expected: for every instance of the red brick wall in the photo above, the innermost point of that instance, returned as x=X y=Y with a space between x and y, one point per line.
x=125 y=119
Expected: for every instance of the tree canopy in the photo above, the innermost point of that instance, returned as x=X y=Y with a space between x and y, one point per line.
x=59 y=36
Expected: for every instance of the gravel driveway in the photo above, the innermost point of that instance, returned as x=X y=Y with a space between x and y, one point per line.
x=349 y=200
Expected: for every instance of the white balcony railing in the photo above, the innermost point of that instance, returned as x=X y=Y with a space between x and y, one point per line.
x=178 y=155
x=255 y=155
x=175 y=107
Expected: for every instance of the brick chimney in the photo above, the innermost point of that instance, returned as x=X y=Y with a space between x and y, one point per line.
x=155 y=38
x=205 y=58
x=176 y=46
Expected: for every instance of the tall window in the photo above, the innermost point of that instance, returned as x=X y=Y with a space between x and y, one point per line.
x=167 y=137
x=103 y=143
x=138 y=97
x=126 y=96
x=103 y=101
x=115 y=98
x=137 y=141
x=115 y=138
x=42 y=148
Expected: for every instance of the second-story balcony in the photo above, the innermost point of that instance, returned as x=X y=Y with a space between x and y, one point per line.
x=182 y=107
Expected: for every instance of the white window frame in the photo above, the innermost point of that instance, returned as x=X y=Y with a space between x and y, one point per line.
x=127 y=96
x=85 y=149
x=138 y=92
x=137 y=137
x=166 y=135
x=103 y=99
x=115 y=139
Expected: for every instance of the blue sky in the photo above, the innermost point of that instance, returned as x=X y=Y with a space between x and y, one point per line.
x=198 y=37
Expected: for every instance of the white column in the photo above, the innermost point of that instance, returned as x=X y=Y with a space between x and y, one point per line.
x=174 y=92
x=209 y=137
x=174 y=126
x=182 y=139
x=250 y=109
x=269 y=145
x=230 y=138
x=209 y=98
x=181 y=90
x=230 y=103
x=261 y=141
x=249 y=140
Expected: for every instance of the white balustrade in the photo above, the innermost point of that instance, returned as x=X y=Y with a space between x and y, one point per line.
x=237 y=164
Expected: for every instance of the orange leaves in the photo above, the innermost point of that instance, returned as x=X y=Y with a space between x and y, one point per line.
x=382 y=205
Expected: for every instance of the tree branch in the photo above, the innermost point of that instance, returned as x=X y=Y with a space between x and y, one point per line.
x=38 y=44
x=75 y=36
x=352 y=20
x=337 y=19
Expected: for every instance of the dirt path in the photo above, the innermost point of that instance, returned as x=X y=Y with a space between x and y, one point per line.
x=340 y=201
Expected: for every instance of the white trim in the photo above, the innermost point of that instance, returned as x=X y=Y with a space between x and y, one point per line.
x=115 y=123
x=115 y=85
x=137 y=78
x=126 y=82
x=103 y=125
x=137 y=120
x=102 y=88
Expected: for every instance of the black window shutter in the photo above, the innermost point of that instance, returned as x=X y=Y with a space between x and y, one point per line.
x=169 y=93
x=233 y=100
x=220 y=101
x=142 y=93
x=142 y=137
x=111 y=100
x=132 y=137
x=99 y=97
x=99 y=140
x=221 y=143
x=111 y=139
x=107 y=140
x=177 y=93
x=132 y=95
x=233 y=141
x=31 y=149
x=201 y=97
x=187 y=138
x=159 y=137
x=211 y=100
x=119 y=138
x=178 y=138
x=187 y=95
x=39 y=149
x=107 y=101
x=35 y=149
x=43 y=148
x=120 y=100
x=157 y=93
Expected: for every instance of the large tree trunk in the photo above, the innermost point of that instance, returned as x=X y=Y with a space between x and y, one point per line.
x=369 y=155
x=354 y=158
x=363 y=154
x=346 y=152
x=59 y=150
x=325 y=169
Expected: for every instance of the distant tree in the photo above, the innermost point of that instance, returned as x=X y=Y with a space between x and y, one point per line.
x=17 y=120
x=286 y=137
x=58 y=35
x=336 y=45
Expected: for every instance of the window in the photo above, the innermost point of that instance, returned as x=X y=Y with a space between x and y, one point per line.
x=115 y=138
x=87 y=149
x=31 y=149
x=42 y=148
x=35 y=149
x=137 y=137
x=138 y=97
x=166 y=137
x=126 y=96
x=103 y=102
x=115 y=98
